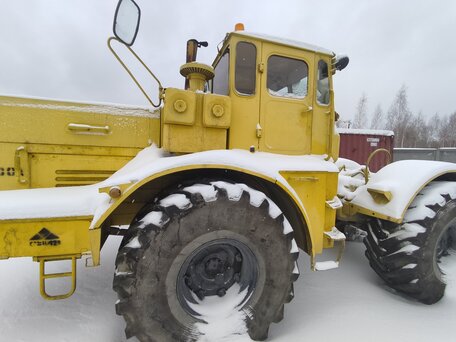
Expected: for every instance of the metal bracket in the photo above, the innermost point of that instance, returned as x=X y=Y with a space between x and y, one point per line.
x=335 y=203
x=22 y=165
x=338 y=238
x=260 y=68
x=44 y=276
x=160 y=87
x=259 y=130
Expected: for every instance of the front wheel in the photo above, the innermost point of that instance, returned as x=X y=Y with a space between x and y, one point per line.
x=202 y=251
x=409 y=256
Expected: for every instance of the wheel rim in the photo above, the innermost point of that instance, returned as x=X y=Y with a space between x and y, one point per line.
x=213 y=268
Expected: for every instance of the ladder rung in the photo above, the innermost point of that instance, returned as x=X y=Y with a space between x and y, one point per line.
x=44 y=276
x=57 y=275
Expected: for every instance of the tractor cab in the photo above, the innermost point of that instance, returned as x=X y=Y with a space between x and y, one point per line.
x=281 y=94
x=261 y=94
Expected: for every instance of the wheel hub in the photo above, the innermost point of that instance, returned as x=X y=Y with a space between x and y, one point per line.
x=213 y=270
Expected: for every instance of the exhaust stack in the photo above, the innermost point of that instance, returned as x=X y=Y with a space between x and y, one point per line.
x=192 y=51
x=196 y=75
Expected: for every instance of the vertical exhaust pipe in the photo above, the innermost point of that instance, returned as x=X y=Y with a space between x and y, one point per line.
x=192 y=51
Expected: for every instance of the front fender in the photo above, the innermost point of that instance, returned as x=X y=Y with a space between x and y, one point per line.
x=389 y=192
x=279 y=170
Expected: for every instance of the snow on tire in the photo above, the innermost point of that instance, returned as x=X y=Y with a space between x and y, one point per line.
x=408 y=256
x=219 y=243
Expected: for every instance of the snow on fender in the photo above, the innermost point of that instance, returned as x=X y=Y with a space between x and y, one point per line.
x=402 y=180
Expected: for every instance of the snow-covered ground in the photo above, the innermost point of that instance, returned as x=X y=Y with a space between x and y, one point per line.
x=350 y=303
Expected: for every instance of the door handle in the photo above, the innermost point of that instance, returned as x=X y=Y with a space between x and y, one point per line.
x=88 y=129
x=309 y=109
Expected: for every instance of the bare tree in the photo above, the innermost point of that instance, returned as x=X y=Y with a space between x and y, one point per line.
x=399 y=115
x=360 y=120
x=417 y=132
x=447 y=131
x=377 y=118
x=434 y=129
x=452 y=129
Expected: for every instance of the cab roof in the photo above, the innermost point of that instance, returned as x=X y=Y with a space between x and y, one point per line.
x=282 y=41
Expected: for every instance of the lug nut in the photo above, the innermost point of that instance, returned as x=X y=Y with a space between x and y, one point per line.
x=238 y=257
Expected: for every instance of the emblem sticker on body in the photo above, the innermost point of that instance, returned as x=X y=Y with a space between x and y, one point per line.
x=44 y=238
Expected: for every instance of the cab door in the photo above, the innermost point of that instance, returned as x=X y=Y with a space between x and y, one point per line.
x=286 y=100
x=323 y=107
x=244 y=92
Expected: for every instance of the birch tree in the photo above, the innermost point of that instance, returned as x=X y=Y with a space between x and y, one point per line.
x=360 y=120
x=377 y=118
x=399 y=116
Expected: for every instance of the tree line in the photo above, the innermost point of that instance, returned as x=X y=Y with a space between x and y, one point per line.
x=410 y=129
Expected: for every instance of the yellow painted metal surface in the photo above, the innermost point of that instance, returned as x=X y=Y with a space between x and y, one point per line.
x=216 y=111
x=351 y=210
x=314 y=189
x=179 y=107
x=246 y=108
x=284 y=125
x=127 y=192
x=323 y=132
x=72 y=236
x=49 y=122
x=46 y=143
x=190 y=122
x=45 y=237
x=383 y=197
x=335 y=145
x=286 y=121
x=44 y=275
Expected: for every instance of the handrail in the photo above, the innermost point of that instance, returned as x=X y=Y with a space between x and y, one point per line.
x=366 y=170
x=160 y=87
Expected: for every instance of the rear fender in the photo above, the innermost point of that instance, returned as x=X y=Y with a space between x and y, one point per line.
x=390 y=191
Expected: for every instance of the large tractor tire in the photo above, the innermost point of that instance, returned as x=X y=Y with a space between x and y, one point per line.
x=199 y=243
x=408 y=256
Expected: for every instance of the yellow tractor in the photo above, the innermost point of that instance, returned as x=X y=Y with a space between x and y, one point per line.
x=233 y=175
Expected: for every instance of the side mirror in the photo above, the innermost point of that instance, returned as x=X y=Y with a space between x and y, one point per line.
x=341 y=62
x=126 y=21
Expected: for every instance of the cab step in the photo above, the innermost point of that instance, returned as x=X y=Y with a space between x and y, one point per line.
x=44 y=276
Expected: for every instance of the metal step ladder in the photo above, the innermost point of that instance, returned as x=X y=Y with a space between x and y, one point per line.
x=44 y=276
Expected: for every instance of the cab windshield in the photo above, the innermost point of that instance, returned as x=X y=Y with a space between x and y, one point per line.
x=220 y=83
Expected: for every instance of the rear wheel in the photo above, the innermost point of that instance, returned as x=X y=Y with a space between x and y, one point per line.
x=200 y=243
x=408 y=257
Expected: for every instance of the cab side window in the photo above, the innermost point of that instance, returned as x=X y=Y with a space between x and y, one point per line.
x=245 y=74
x=287 y=77
x=323 y=83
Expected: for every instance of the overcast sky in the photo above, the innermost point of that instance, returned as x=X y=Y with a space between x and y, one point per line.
x=57 y=48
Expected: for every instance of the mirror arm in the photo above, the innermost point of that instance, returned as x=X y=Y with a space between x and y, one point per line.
x=160 y=87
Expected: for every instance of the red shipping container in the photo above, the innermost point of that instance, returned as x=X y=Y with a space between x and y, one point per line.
x=358 y=144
